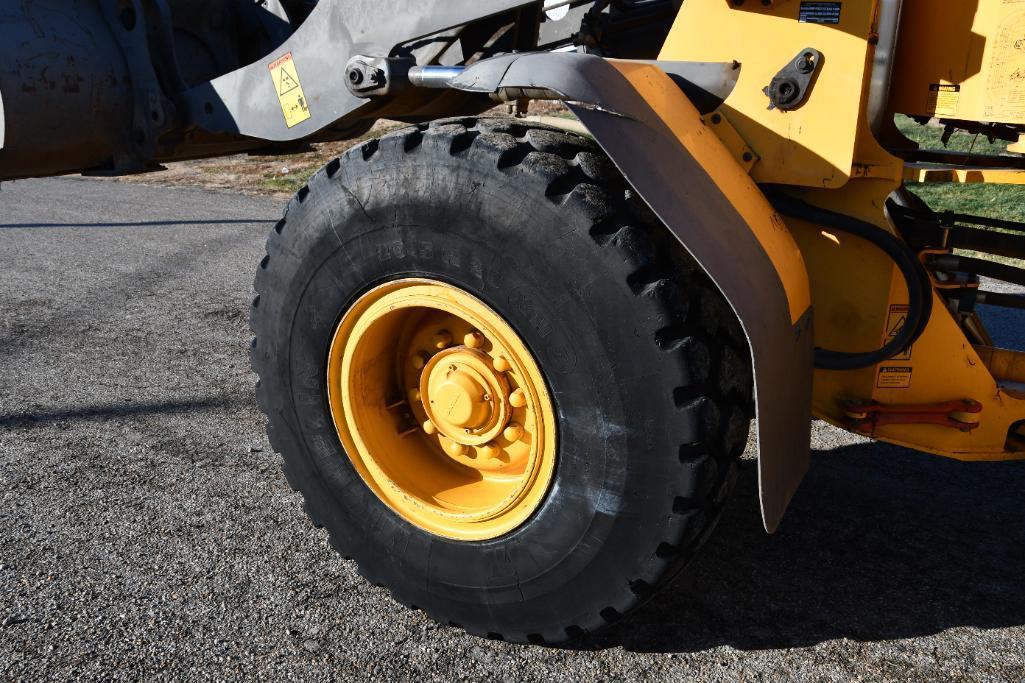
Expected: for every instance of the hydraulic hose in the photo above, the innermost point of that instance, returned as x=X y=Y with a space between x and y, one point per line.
x=916 y=277
x=975 y=266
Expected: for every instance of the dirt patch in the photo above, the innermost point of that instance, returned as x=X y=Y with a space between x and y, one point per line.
x=276 y=176
x=280 y=176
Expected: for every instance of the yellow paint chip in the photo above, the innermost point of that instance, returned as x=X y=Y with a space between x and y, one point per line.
x=290 y=91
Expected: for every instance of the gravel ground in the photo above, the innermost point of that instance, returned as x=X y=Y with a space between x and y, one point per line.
x=146 y=531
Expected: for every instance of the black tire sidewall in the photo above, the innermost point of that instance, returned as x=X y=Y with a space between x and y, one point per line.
x=532 y=261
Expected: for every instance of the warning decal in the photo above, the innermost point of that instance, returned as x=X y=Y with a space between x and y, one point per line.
x=895 y=321
x=944 y=99
x=290 y=91
x=894 y=378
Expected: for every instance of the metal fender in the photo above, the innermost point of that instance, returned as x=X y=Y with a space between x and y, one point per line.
x=656 y=136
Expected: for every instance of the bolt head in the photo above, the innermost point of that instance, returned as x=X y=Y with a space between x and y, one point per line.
x=805 y=63
x=429 y=428
x=502 y=365
x=442 y=340
x=455 y=449
x=474 y=340
x=518 y=399
x=513 y=432
x=420 y=360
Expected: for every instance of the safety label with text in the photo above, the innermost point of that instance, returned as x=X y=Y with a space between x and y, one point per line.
x=895 y=321
x=820 y=12
x=944 y=100
x=894 y=378
x=290 y=91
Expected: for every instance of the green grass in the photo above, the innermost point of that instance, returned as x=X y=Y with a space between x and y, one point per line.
x=311 y=162
x=1006 y=202
x=931 y=137
x=996 y=201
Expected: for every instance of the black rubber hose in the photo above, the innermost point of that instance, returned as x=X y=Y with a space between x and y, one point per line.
x=1002 y=300
x=915 y=276
x=975 y=266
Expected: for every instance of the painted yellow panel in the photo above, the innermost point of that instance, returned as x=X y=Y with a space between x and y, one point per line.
x=812 y=146
x=962 y=60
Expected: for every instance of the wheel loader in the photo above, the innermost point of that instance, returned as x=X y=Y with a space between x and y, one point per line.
x=511 y=363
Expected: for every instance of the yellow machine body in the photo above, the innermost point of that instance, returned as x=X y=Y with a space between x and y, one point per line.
x=962 y=60
x=827 y=152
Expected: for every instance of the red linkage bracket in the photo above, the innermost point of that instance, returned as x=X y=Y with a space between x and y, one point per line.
x=866 y=417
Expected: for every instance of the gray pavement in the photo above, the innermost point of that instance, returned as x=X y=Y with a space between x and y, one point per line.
x=147 y=533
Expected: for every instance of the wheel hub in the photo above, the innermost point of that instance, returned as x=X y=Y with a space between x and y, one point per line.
x=460 y=398
x=467 y=402
x=467 y=448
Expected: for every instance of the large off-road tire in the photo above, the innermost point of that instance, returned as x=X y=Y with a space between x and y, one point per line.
x=644 y=362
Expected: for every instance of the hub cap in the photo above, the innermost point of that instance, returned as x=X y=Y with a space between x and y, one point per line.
x=442 y=409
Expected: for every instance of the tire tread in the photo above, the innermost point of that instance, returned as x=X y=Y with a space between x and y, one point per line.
x=704 y=331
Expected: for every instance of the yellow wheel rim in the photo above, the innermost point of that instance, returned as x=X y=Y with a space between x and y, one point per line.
x=442 y=409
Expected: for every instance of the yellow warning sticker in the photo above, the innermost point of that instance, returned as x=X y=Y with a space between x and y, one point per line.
x=894 y=378
x=944 y=99
x=895 y=322
x=290 y=91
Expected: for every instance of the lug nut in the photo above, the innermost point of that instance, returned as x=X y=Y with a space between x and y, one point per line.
x=490 y=451
x=474 y=340
x=513 y=432
x=443 y=340
x=414 y=395
x=455 y=449
x=502 y=365
x=420 y=360
x=430 y=428
x=518 y=399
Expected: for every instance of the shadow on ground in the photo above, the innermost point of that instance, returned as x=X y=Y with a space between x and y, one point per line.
x=41 y=417
x=880 y=543
x=138 y=224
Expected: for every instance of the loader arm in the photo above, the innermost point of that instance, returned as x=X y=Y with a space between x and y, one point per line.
x=245 y=101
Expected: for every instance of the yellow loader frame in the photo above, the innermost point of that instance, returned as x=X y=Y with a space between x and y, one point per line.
x=829 y=151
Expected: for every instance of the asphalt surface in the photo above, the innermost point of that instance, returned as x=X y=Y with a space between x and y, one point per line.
x=146 y=531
